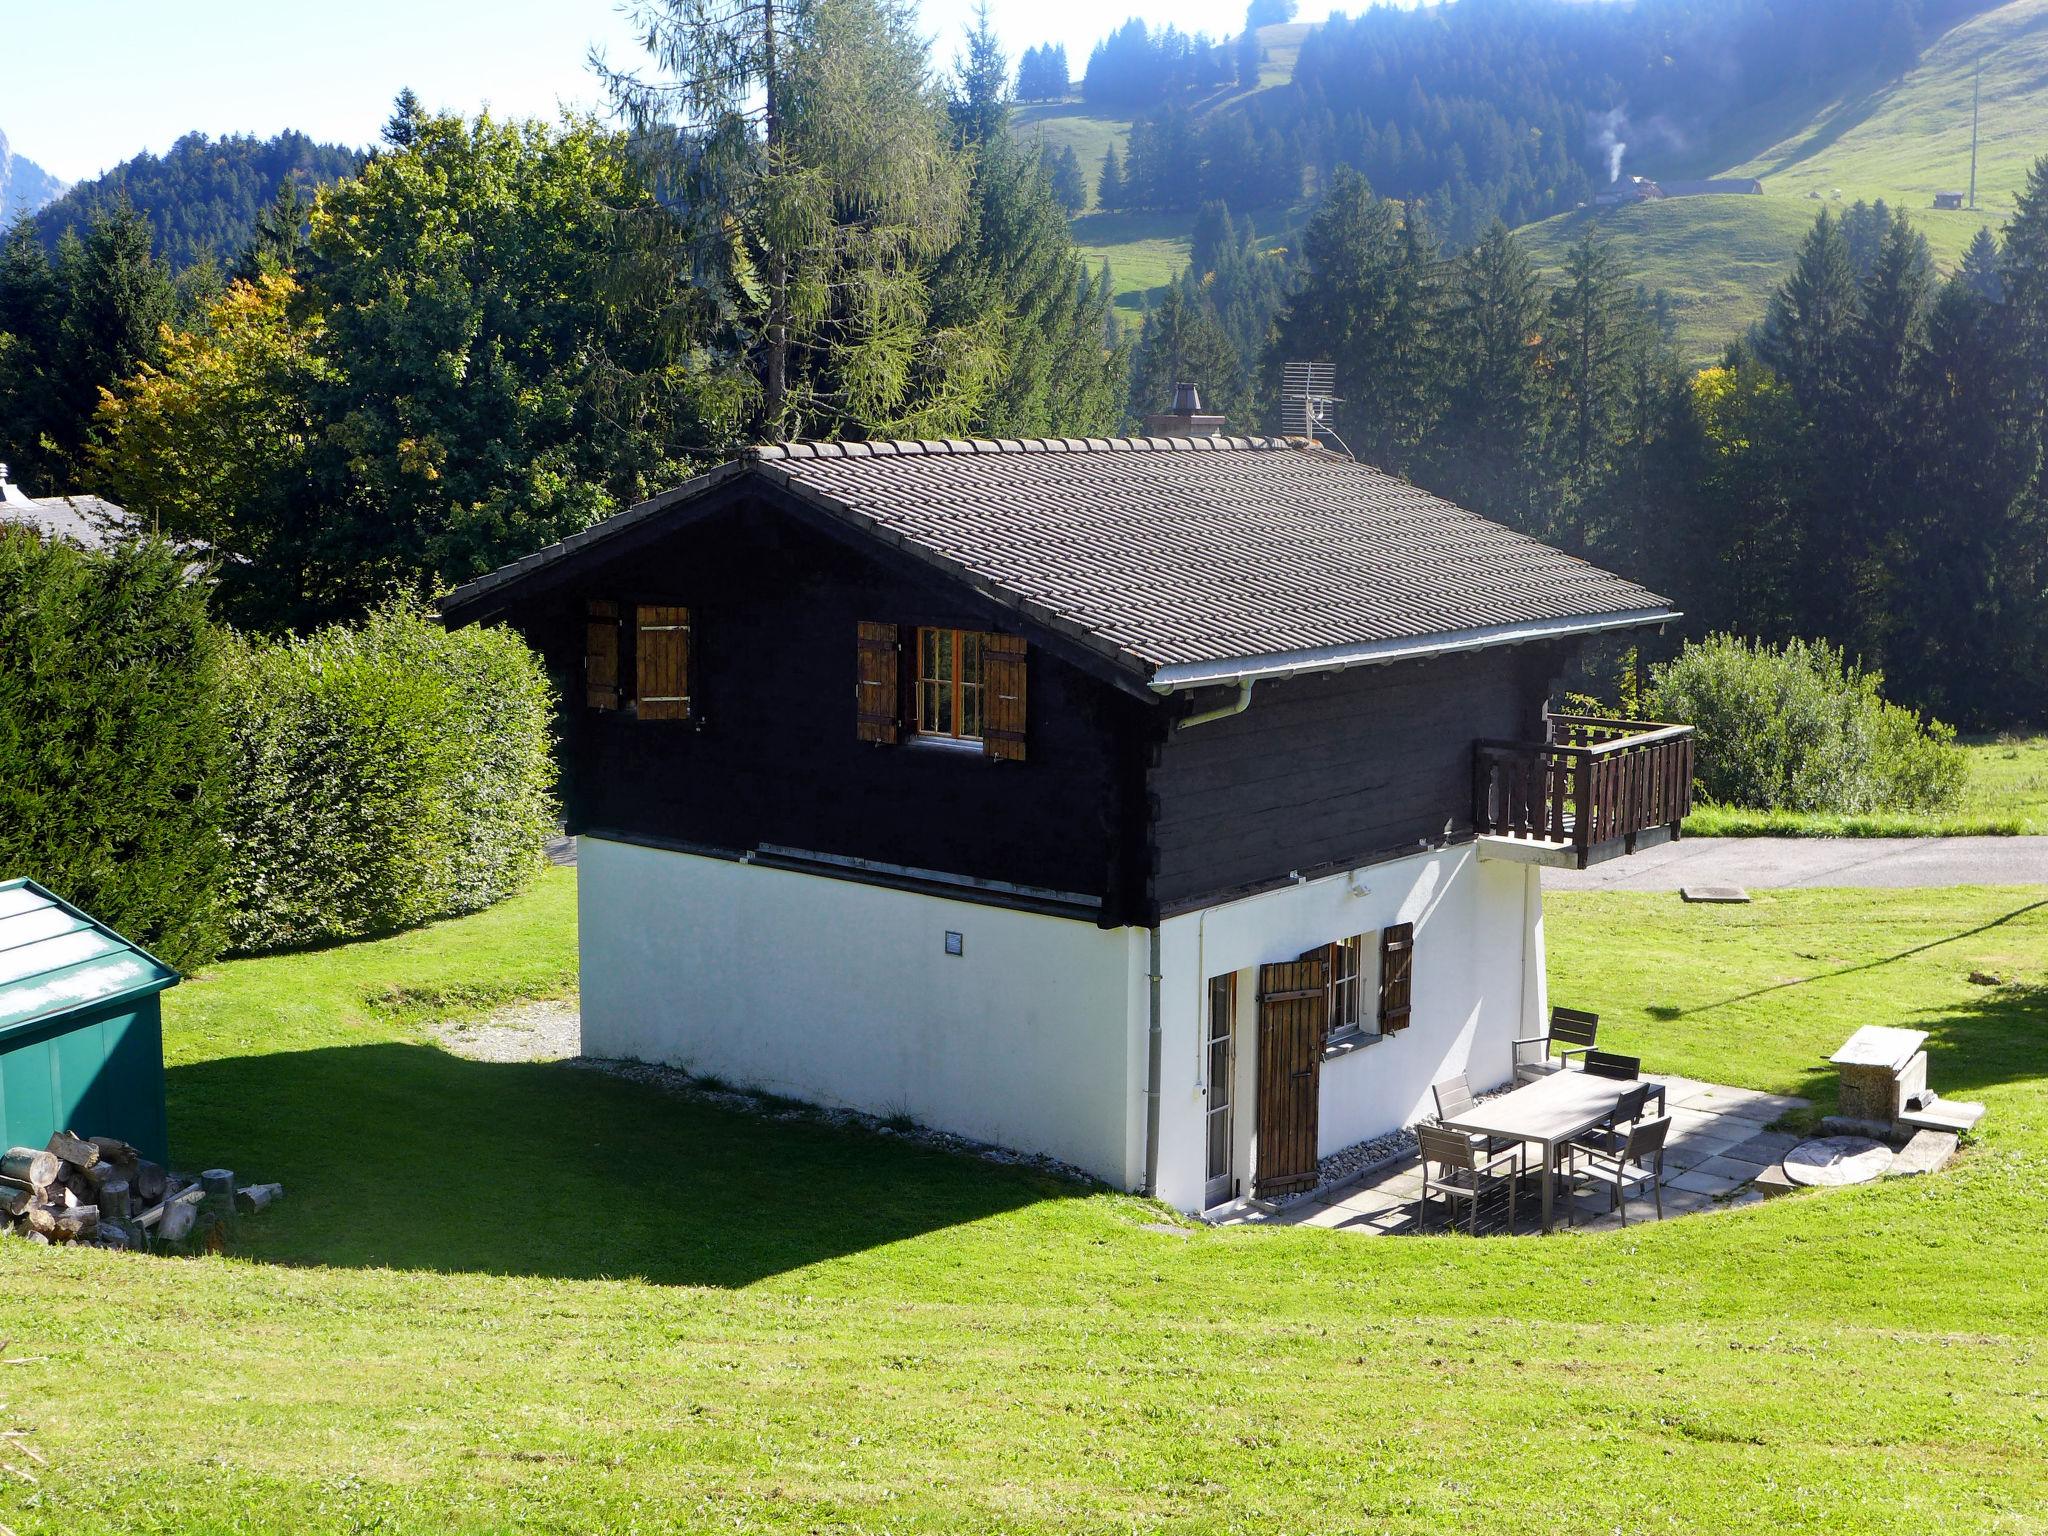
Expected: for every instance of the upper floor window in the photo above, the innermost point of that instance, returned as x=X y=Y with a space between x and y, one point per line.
x=948 y=687
x=638 y=657
x=935 y=681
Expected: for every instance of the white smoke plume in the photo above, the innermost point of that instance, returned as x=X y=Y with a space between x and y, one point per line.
x=1606 y=136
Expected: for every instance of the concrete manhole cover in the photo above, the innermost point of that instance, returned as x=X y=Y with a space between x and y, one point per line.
x=1837 y=1160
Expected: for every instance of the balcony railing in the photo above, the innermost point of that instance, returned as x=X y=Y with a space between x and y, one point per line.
x=1594 y=783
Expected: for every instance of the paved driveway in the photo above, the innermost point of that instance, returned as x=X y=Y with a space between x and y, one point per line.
x=1771 y=863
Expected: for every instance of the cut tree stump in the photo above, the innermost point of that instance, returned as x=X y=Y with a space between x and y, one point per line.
x=115 y=1150
x=14 y=1199
x=256 y=1196
x=150 y=1181
x=26 y=1165
x=114 y=1200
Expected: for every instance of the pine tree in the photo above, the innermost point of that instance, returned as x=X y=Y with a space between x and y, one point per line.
x=813 y=157
x=1249 y=57
x=408 y=116
x=1069 y=182
x=280 y=238
x=2024 y=275
x=1594 y=325
x=1980 y=267
x=1806 y=331
x=117 y=300
x=31 y=315
x=1053 y=375
x=1493 y=438
x=981 y=90
x=1109 y=183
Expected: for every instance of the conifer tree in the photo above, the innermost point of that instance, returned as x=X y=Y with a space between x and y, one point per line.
x=2024 y=276
x=1109 y=182
x=1493 y=437
x=117 y=299
x=1181 y=342
x=981 y=76
x=1980 y=267
x=813 y=157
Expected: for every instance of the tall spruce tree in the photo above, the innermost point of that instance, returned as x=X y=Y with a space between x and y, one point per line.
x=117 y=298
x=1595 y=331
x=1109 y=182
x=981 y=81
x=1492 y=445
x=31 y=317
x=811 y=151
x=1367 y=303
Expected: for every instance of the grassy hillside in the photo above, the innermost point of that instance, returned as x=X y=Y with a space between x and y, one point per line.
x=1145 y=250
x=1902 y=140
x=1910 y=138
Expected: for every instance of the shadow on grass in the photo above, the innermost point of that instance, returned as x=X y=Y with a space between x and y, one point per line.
x=2001 y=1038
x=1666 y=1012
x=406 y=1157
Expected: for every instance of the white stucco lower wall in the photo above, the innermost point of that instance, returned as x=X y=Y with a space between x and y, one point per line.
x=842 y=993
x=1477 y=980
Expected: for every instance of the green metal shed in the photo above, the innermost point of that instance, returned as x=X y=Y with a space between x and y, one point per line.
x=81 y=1031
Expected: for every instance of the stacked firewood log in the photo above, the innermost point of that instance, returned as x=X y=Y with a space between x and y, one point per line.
x=101 y=1191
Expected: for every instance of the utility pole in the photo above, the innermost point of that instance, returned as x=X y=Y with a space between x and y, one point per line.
x=1976 y=84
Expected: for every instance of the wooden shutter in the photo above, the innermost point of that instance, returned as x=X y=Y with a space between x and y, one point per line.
x=601 y=655
x=1294 y=1016
x=1002 y=697
x=1397 y=969
x=662 y=657
x=877 y=689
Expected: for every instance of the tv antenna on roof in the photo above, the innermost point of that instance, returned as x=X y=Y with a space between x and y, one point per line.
x=1307 y=393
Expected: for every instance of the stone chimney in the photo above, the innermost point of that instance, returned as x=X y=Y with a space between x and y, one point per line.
x=1186 y=418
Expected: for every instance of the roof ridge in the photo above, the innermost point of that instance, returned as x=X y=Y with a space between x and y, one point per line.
x=913 y=447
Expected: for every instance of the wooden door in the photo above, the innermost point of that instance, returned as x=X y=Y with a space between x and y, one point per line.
x=1294 y=1018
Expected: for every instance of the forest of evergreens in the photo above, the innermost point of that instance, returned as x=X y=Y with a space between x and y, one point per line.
x=202 y=195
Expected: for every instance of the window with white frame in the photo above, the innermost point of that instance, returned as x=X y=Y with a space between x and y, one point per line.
x=1353 y=985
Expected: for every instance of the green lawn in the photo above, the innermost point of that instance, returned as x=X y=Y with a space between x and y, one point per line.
x=531 y=1298
x=2006 y=796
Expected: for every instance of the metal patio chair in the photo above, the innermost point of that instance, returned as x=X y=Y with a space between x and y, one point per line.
x=1464 y=1172
x=1639 y=1161
x=1606 y=1064
x=1453 y=1098
x=1611 y=1134
x=1572 y=1031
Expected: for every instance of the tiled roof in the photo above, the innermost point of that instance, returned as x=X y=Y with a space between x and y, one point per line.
x=83 y=520
x=1180 y=557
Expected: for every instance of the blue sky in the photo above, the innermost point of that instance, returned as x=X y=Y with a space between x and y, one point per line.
x=87 y=83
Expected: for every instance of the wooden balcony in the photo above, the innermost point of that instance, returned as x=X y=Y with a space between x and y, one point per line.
x=1597 y=789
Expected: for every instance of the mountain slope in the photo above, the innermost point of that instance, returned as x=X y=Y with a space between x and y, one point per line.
x=24 y=185
x=1901 y=140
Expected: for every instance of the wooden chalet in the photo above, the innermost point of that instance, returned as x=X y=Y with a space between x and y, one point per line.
x=1172 y=806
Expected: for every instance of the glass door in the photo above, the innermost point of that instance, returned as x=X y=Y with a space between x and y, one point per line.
x=1222 y=1071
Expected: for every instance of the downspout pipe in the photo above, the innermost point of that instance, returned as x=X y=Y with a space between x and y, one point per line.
x=1237 y=706
x=1155 y=1047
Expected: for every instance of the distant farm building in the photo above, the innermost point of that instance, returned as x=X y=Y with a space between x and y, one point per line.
x=1949 y=200
x=1629 y=189
x=1744 y=186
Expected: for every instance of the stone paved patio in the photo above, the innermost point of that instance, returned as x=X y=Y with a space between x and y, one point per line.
x=1718 y=1145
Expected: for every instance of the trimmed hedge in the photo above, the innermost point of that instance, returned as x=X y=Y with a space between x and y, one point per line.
x=112 y=744
x=200 y=791
x=1802 y=729
x=383 y=774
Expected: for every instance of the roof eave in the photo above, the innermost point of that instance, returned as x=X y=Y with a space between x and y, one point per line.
x=1335 y=658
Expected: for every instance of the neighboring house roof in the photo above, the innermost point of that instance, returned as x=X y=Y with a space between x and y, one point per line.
x=1185 y=561
x=54 y=959
x=86 y=520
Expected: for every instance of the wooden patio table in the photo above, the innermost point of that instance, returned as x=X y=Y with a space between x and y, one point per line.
x=1550 y=1112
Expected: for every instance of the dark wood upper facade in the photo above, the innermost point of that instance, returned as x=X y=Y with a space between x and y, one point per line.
x=759 y=747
